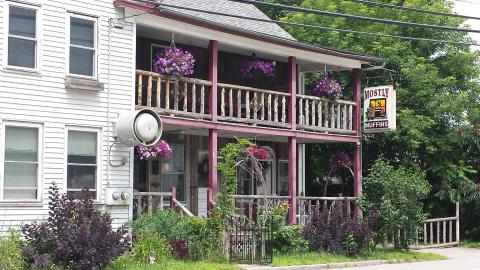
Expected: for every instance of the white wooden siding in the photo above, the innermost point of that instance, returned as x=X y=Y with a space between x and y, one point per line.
x=42 y=98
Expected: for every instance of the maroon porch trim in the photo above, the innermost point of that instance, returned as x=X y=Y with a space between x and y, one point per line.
x=357 y=158
x=292 y=180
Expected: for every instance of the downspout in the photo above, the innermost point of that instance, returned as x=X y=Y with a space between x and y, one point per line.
x=382 y=66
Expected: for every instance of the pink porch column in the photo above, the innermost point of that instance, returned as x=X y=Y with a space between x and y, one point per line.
x=357 y=126
x=292 y=141
x=213 y=133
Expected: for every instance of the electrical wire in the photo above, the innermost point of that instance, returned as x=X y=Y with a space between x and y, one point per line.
x=355 y=17
x=320 y=27
x=372 y=3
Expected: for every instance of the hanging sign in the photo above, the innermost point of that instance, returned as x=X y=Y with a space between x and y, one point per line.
x=379 y=109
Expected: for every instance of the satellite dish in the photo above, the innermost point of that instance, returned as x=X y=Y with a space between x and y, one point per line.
x=143 y=127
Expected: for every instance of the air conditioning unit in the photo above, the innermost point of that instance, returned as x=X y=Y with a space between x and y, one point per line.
x=142 y=127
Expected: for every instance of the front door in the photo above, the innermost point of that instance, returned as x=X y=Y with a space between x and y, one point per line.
x=248 y=185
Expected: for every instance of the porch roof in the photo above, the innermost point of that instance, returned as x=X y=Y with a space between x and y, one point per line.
x=266 y=32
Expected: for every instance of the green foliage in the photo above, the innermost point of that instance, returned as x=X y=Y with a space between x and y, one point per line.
x=202 y=236
x=226 y=167
x=397 y=195
x=289 y=239
x=11 y=251
x=438 y=104
x=150 y=245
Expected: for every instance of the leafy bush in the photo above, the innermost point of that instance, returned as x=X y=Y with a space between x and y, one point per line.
x=11 y=251
x=188 y=237
x=338 y=232
x=150 y=245
x=75 y=235
x=397 y=194
x=289 y=239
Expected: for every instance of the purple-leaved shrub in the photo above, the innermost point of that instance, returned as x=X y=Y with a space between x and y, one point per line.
x=75 y=235
x=338 y=232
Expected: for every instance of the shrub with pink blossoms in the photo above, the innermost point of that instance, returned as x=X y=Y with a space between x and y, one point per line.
x=160 y=149
x=174 y=61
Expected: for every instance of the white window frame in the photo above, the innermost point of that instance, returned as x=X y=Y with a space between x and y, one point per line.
x=40 y=161
x=98 y=174
x=95 y=45
x=37 y=39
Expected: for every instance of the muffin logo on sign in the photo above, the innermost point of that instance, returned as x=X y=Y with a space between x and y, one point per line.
x=379 y=109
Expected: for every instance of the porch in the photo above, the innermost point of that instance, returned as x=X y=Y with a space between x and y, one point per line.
x=200 y=113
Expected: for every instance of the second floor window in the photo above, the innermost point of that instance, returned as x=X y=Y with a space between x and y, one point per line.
x=22 y=36
x=82 y=46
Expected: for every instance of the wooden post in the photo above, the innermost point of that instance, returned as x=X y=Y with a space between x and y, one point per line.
x=213 y=133
x=357 y=159
x=173 y=190
x=213 y=77
x=209 y=204
x=457 y=222
x=292 y=89
x=292 y=179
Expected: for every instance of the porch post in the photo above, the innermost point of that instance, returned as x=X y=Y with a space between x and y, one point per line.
x=213 y=133
x=357 y=126
x=292 y=141
x=213 y=77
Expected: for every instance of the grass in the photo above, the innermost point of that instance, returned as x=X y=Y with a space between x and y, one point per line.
x=379 y=254
x=469 y=244
x=178 y=265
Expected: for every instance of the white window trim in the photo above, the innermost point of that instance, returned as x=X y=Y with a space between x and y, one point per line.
x=40 y=160
x=98 y=180
x=95 y=46
x=38 y=36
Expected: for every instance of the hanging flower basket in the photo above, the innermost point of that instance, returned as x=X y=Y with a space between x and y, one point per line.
x=257 y=152
x=256 y=68
x=160 y=149
x=174 y=61
x=328 y=88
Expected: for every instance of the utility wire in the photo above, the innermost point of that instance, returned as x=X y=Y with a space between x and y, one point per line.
x=372 y=3
x=355 y=17
x=318 y=27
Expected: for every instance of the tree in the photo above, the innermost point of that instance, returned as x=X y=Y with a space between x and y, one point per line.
x=438 y=87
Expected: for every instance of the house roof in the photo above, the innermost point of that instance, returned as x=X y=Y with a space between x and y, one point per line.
x=269 y=32
x=231 y=8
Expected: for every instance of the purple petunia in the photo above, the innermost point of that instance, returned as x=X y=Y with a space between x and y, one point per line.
x=329 y=88
x=247 y=67
x=174 y=61
x=160 y=149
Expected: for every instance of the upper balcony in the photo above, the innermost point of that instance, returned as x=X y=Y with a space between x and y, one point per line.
x=189 y=98
x=216 y=96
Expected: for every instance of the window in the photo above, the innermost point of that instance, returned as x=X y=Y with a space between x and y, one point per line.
x=82 y=162
x=173 y=171
x=82 y=46
x=22 y=36
x=283 y=177
x=21 y=162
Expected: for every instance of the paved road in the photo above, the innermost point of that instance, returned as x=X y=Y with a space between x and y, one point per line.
x=459 y=259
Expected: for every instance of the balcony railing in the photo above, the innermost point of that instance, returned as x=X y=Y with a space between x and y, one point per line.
x=324 y=115
x=253 y=106
x=189 y=97
x=173 y=96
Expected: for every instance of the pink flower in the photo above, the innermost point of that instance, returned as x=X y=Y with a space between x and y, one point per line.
x=174 y=61
x=160 y=149
x=329 y=88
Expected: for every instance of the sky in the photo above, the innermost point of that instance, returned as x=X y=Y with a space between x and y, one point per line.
x=470 y=8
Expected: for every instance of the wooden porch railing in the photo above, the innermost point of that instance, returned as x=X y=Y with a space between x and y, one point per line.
x=175 y=96
x=251 y=206
x=308 y=205
x=324 y=115
x=439 y=232
x=148 y=202
x=253 y=106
